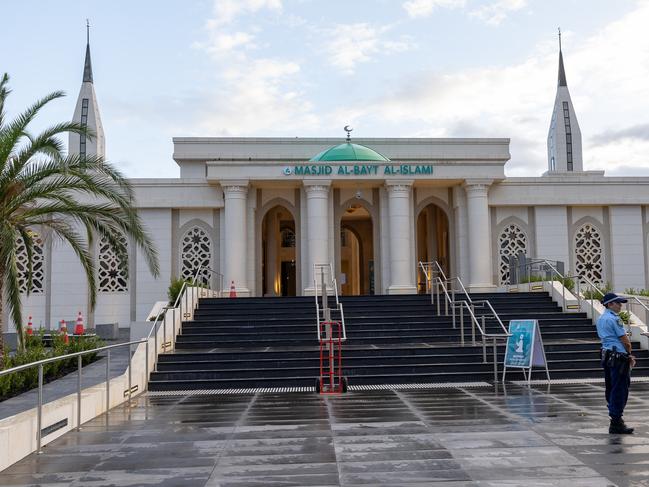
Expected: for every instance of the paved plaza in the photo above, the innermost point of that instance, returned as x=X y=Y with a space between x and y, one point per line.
x=462 y=436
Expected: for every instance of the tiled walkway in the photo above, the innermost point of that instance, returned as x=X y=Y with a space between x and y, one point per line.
x=451 y=437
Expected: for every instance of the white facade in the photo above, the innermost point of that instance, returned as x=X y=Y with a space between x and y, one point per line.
x=434 y=199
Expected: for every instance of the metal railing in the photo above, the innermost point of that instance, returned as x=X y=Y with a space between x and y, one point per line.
x=582 y=287
x=79 y=355
x=635 y=302
x=436 y=277
x=185 y=305
x=457 y=299
x=323 y=313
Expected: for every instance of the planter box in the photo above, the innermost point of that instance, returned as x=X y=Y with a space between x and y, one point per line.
x=107 y=331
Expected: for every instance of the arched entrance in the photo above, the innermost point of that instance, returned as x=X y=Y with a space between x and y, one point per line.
x=432 y=240
x=278 y=263
x=356 y=251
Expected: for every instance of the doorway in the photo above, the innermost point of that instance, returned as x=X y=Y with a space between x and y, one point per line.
x=278 y=265
x=357 y=251
x=432 y=240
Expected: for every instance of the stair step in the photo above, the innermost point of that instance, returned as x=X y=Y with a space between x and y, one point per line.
x=271 y=342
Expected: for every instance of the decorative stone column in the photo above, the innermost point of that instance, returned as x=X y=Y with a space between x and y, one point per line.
x=236 y=235
x=480 y=265
x=400 y=216
x=317 y=208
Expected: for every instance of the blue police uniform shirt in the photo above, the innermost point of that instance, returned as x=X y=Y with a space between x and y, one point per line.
x=610 y=328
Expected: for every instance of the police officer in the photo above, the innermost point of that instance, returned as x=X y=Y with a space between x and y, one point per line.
x=617 y=361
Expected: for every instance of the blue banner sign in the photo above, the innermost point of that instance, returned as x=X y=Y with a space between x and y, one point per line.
x=525 y=348
x=520 y=343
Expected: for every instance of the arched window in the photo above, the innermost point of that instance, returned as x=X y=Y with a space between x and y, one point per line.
x=38 y=267
x=511 y=241
x=196 y=251
x=588 y=253
x=112 y=272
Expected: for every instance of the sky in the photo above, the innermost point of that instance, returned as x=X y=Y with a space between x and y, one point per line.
x=303 y=68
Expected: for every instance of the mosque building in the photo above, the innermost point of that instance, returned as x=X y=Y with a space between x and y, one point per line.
x=261 y=212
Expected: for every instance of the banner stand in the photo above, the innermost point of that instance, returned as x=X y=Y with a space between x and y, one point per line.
x=525 y=349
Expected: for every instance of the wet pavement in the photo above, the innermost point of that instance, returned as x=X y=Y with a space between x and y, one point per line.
x=463 y=436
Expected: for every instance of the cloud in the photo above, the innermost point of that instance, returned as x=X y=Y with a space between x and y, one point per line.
x=423 y=8
x=516 y=101
x=348 y=45
x=638 y=132
x=225 y=11
x=222 y=43
x=252 y=95
x=494 y=13
x=261 y=96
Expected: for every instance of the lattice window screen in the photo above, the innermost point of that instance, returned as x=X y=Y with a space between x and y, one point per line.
x=589 y=254
x=196 y=251
x=511 y=241
x=38 y=265
x=112 y=273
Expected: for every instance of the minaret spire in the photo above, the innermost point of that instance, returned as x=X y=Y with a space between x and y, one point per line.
x=87 y=67
x=562 y=72
x=564 y=136
x=86 y=114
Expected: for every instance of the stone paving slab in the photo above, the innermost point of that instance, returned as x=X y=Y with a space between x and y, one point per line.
x=461 y=437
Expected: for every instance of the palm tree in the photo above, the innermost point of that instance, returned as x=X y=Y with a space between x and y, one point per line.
x=43 y=188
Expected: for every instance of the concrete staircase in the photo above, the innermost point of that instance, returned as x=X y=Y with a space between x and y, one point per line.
x=271 y=342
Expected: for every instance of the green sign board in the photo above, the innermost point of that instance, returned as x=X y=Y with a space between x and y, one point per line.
x=359 y=170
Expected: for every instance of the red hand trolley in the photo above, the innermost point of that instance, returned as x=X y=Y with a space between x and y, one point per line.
x=331 y=380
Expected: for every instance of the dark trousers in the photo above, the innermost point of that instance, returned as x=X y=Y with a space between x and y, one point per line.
x=617 y=380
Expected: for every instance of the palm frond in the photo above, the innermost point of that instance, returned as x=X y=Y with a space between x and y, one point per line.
x=70 y=197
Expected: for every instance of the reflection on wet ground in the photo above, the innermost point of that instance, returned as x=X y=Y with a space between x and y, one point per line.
x=462 y=437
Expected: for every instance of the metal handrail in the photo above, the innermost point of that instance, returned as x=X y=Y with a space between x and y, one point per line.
x=483 y=332
x=79 y=355
x=578 y=280
x=334 y=286
x=18 y=368
x=442 y=284
x=178 y=304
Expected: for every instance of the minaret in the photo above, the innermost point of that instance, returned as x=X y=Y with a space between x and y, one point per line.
x=564 y=137
x=86 y=113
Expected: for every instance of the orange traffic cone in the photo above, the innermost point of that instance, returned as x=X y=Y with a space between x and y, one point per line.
x=78 y=329
x=30 y=330
x=233 y=290
x=64 y=331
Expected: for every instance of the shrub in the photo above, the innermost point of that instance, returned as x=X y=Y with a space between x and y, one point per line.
x=595 y=294
x=625 y=316
x=637 y=292
x=568 y=282
x=18 y=382
x=175 y=287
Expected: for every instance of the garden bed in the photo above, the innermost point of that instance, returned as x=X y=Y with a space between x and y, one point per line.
x=12 y=385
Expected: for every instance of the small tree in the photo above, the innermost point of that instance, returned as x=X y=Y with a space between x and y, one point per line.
x=42 y=187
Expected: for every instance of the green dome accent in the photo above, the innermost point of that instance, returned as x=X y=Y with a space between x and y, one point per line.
x=349 y=152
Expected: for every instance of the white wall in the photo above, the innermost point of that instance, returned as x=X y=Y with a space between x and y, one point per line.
x=69 y=286
x=113 y=308
x=149 y=289
x=551 y=229
x=627 y=247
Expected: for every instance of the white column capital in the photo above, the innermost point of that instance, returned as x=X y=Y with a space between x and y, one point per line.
x=399 y=187
x=477 y=187
x=235 y=188
x=316 y=188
